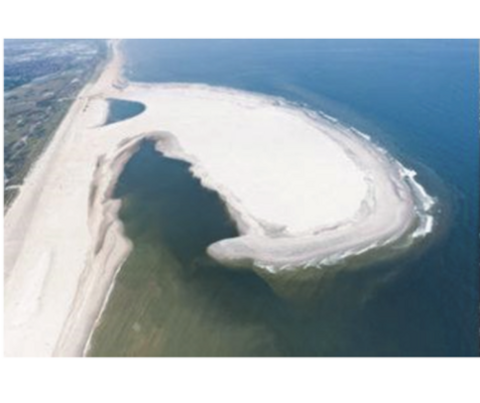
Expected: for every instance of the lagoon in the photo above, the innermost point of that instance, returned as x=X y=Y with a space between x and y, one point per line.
x=422 y=304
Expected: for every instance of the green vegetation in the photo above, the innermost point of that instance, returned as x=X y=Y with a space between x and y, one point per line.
x=42 y=78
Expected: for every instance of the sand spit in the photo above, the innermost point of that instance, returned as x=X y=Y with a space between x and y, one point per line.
x=302 y=189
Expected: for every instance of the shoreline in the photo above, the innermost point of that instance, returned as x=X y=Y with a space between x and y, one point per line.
x=94 y=76
x=53 y=311
x=54 y=320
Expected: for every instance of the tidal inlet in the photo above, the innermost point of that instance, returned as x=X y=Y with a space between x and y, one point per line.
x=174 y=212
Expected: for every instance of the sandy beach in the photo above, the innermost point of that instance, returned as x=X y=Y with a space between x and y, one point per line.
x=302 y=190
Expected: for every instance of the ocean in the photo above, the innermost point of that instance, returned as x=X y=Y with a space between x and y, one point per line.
x=419 y=99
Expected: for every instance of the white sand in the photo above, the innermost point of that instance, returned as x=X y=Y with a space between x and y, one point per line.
x=302 y=190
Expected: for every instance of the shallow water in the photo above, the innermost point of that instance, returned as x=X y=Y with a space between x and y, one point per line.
x=417 y=99
x=172 y=300
x=119 y=109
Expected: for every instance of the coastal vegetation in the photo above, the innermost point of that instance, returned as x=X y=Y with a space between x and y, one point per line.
x=42 y=78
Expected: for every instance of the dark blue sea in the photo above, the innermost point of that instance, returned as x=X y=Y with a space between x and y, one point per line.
x=417 y=98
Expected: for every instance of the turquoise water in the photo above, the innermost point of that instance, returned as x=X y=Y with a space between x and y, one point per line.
x=419 y=99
